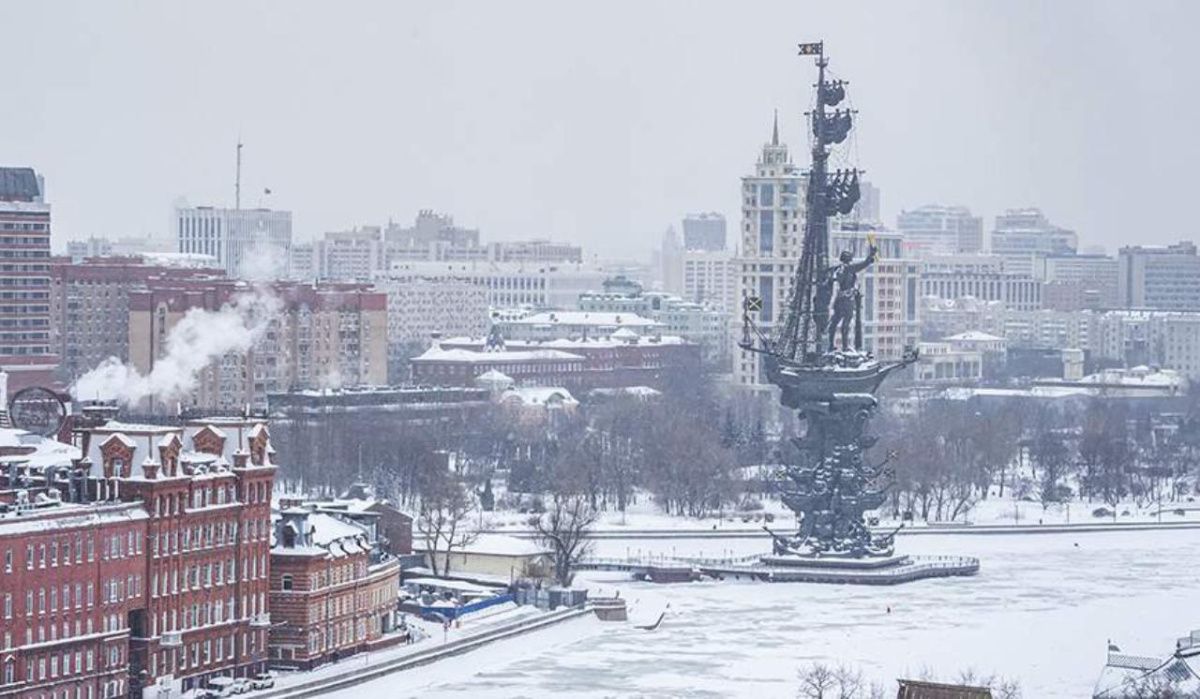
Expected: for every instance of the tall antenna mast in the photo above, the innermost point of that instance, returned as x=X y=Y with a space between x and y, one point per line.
x=237 y=183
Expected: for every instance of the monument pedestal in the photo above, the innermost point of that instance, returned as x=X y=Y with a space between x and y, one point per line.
x=881 y=570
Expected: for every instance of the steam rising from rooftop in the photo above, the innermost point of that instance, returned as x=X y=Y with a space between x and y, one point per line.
x=199 y=339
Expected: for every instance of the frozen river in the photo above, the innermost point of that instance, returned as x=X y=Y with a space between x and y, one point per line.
x=1040 y=611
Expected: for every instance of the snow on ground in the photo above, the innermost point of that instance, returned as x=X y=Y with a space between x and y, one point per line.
x=1041 y=611
x=645 y=515
x=494 y=659
x=431 y=635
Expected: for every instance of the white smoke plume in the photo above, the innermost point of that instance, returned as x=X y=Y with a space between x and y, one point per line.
x=198 y=340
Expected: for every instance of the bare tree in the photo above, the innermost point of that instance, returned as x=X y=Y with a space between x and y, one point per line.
x=564 y=527
x=443 y=519
x=820 y=681
x=817 y=681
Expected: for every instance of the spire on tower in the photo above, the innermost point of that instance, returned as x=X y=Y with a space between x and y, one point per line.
x=775 y=130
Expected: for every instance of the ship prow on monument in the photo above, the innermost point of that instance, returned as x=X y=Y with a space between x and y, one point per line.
x=837 y=374
x=815 y=354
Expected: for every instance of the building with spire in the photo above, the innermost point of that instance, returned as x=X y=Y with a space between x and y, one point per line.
x=772 y=219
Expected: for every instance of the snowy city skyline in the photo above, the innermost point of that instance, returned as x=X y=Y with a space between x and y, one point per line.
x=355 y=117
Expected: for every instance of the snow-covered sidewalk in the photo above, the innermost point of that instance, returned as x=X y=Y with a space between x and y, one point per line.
x=491 y=625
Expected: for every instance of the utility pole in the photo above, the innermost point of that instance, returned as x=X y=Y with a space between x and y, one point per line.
x=237 y=183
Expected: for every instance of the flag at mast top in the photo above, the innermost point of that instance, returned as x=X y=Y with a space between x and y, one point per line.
x=813 y=49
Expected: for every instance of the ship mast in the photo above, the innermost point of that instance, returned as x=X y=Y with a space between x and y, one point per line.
x=799 y=337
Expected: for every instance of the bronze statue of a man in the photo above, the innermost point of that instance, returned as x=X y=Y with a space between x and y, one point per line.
x=846 y=275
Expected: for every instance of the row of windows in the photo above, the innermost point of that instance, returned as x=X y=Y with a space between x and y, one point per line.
x=206 y=575
x=47 y=667
x=82 y=627
x=55 y=553
x=53 y=598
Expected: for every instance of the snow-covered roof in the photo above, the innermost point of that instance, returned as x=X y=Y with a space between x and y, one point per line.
x=120 y=438
x=974 y=336
x=539 y=395
x=592 y=318
x=145 y=439
x=448 y=584
x=490 y=544
x=34 y=450
x=327 y=529
x=319 y=534
x=437 y=354
x=639 y=391
x=569 y=344
x=494 y=379
x=68 y=516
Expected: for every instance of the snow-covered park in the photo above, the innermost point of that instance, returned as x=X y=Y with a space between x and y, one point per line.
x=1041 y=611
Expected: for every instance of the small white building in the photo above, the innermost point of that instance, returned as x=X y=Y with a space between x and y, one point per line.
x=497 y=556
x=942 y=362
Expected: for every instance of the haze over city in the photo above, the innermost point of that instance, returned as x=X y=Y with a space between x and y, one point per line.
x=656 y=349
x=597 y=124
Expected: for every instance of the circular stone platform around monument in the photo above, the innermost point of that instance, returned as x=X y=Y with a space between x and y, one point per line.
x=891 y=570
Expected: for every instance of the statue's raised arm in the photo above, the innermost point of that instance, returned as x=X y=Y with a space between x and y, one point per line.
x=872 y=252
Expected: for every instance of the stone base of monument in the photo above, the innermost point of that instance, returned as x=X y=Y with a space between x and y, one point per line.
x=882 y=570
x=839 y=562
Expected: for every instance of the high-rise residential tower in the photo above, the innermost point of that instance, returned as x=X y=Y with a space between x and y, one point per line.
x=704 y=232
x=25 y=348
x=772 y=214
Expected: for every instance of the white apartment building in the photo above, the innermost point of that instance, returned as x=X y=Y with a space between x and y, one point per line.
x=940 y=230
x=1090 y=280
x=891 y=309
x=1016 y=292
x=1161 y=277
x=1028 y=231
x=696 y=322
x=941 y=317
x=420 y=307
x=247 y=243
x=510 y=284
x=354 y=255
x=711 y=278
x=771 y=231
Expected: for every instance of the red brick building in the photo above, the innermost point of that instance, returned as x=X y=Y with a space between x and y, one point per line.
x=333 y=591
x=89 y=306
x=579 y=365
x=322 y=335
x=206 y=489
x=72 y=576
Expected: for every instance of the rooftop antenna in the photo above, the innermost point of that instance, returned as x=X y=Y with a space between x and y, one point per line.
x=237 y=183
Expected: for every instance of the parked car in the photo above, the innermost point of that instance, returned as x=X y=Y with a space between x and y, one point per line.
x=220 y=687
x=242 y=685
x=263 y=680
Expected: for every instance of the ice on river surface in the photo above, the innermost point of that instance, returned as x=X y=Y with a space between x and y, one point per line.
x=1041 y=611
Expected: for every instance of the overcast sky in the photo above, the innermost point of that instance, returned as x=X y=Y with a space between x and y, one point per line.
x=600 y=123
